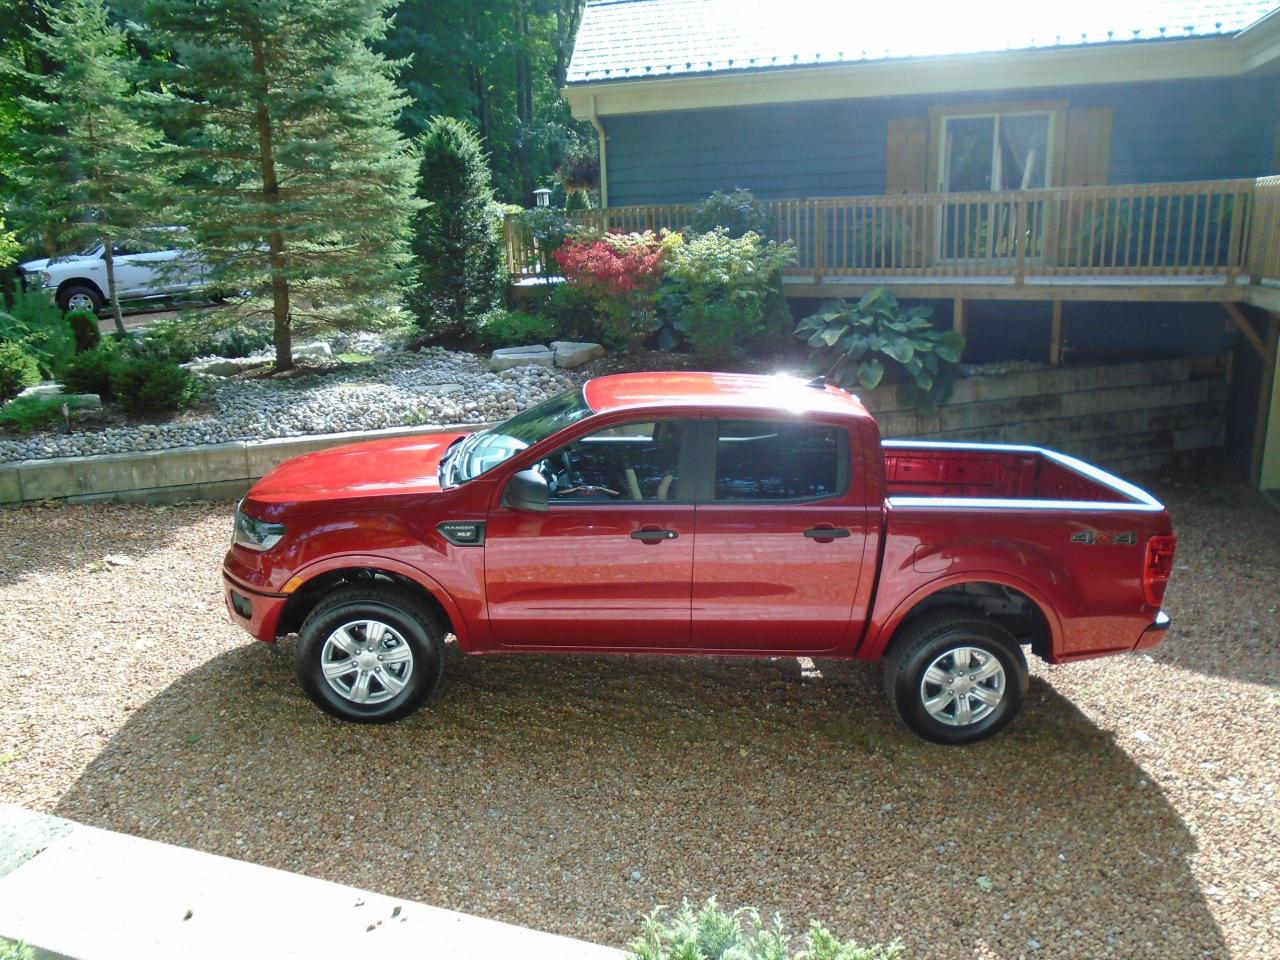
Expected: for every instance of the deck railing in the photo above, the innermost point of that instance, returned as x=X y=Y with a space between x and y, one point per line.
x=1220 y=228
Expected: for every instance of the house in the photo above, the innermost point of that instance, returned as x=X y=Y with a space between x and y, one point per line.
x=1067 y=182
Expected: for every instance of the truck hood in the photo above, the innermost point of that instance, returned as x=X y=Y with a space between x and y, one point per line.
x=396 y=466
x=35 y=266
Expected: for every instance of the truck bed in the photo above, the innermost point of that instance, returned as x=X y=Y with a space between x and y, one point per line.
x=1000 y=472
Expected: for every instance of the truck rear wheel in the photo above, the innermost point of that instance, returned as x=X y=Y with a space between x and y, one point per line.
x=370 y=654
x=954 y=677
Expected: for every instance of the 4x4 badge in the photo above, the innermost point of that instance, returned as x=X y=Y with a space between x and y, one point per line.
x=1128 y=538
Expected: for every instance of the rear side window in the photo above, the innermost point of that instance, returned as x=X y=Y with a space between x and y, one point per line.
x=780 y=460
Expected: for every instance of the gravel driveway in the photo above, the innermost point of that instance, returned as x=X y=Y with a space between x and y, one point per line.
x=1131 y=812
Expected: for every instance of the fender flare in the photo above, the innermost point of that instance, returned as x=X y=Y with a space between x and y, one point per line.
x=373 y=562
x=81 y=282
x=873 y=647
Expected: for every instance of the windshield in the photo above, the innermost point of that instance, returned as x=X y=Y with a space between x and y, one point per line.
x=481 y=452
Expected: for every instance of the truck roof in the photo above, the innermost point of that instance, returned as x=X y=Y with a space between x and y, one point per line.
x=729 y=390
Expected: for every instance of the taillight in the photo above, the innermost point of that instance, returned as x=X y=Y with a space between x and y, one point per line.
x=1155 y=573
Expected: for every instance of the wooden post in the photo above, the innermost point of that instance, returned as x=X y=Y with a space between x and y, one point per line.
x=1264 y=398
x=1055 y=336
x=1241 y=323
x=958 y=321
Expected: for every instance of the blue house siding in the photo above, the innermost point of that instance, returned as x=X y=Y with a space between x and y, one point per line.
x=1185 y=130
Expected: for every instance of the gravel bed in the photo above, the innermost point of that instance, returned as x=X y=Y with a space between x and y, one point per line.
x=396 y=389
x=1130 y=812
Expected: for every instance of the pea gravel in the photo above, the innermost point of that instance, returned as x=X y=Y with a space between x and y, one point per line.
x=1130 y=812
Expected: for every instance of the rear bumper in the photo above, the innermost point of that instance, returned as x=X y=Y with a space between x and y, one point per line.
x=1154 y=633
x=258 y=613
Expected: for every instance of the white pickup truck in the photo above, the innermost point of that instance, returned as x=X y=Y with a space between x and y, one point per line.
x=78 y=281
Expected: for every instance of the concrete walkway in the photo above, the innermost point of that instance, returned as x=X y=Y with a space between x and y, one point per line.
x=90 y=894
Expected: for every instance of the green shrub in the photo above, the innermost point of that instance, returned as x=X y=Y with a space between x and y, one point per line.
x=90 y=372
x=151 y=385
x=737 y=213
x=85 y=329
x=29 y=413
x=514 y=328
x=710 y=933
x=852 y=343
x=543 y=231
x=574 y=312
x=457 y=237
x=35 y=321
x=718 y=287
x=18 y=369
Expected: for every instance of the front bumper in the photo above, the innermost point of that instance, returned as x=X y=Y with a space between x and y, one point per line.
x=258 y=613
x=1154 y=633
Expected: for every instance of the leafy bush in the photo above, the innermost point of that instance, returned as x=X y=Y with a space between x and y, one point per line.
x=90 y=372
x=711 y=933
x=719 y=286
x=543 y=231
x=151 y=384
x=852 y=343
x=514 y=328
x=35 y=321
x=457 y=237
x=10 y=248
x=15 y=951
x=18 y=369
x=622 y=272
x=574 y=312
x=738 y=213
x=85 y=329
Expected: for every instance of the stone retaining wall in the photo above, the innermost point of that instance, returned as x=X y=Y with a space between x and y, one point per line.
x=1129 y=418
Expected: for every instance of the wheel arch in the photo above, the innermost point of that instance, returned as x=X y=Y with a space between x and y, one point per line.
x=80 y=282
x=1010 y=601
x=321 y=579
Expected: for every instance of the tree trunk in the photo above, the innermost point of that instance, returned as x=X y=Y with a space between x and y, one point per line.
x=275 y=239
x=108 y=260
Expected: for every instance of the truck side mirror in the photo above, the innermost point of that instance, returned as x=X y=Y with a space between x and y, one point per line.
x=526 y=490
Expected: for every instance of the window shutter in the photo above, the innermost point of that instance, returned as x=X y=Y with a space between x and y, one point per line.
x=1088 y=147
x=908 y=157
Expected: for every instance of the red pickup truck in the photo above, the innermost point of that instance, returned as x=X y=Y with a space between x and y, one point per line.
x=699 y=513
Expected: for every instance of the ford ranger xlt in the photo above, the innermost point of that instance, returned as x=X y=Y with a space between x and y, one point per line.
x=699 y=513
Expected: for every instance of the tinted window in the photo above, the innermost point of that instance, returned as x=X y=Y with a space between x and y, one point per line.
x=630 y=462
x=779 y=460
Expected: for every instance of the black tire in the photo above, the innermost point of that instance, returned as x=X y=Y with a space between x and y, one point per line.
x=417 y=627
x=928 y=641
x=67 y=293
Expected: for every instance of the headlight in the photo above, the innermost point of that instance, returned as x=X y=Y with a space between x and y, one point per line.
x=46 y=279
x=256 y=534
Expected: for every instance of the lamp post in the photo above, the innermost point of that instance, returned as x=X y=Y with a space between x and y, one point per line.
x=542 y=197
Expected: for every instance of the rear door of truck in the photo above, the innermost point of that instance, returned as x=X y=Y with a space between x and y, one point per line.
x=780 y=545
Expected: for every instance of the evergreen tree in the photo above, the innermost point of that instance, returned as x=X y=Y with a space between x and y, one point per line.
x=88 y=155
x=295 y=184
x=456 y=239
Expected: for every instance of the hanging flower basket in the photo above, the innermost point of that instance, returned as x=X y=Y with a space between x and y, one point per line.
x=580 y=171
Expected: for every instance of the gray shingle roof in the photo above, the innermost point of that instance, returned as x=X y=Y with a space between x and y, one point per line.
x=635 y=39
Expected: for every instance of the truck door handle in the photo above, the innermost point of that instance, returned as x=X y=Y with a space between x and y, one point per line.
x=825 y=534
x=653 y=534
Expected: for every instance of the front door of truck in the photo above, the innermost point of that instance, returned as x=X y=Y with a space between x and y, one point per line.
x=780 y=540
x=610 y=563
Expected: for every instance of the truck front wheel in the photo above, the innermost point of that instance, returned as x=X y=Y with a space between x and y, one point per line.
x=955 y=677
x=370 y=654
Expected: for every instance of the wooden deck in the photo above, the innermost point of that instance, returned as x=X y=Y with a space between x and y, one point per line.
x=1210 y=241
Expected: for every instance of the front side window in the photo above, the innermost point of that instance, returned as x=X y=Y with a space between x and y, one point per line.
x=633 y=462
x=779 y=460
x=481 y=452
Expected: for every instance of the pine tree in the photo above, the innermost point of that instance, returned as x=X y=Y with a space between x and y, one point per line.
x=89 y=168
x=295 y=184
x=456 y=236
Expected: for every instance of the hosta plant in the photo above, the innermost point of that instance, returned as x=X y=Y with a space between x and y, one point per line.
x=858 y=344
